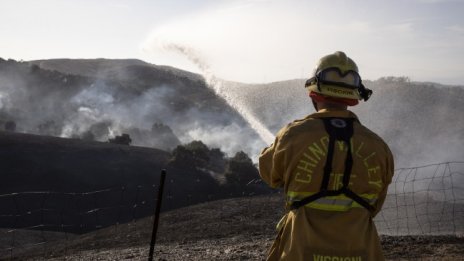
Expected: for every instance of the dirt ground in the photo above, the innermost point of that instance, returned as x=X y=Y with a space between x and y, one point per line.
x=232 y=229
x=254 y=248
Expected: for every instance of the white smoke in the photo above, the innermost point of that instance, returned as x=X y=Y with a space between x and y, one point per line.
x=227 y=138
x=80 y=122
x=5 y=102
x=232 y=97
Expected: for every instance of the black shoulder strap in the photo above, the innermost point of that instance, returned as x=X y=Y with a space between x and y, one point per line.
x=338 y=129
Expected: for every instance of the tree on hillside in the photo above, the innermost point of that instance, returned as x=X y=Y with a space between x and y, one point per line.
x=182 y=157
x=240 y=169
x=396 y=80
x=195 y=154
x=34 y=68
x=217 y=162
x=159 y=127
x=163 y=136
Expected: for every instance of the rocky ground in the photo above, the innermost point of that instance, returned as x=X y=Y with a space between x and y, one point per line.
x=232 y=229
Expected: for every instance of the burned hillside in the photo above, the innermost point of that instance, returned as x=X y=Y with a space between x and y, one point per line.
x=68 y=174
x=157 y=106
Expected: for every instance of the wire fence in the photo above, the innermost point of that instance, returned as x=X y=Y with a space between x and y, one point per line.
x=33 y=219
x=426 y=200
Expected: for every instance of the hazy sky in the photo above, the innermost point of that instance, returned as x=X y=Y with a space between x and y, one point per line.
x=245 y=40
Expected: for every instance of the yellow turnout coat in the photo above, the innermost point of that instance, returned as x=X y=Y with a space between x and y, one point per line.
x=331 y=228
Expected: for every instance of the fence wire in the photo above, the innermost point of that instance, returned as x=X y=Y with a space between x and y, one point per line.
x=426 y=200
x=421 y=201
x=33 y=219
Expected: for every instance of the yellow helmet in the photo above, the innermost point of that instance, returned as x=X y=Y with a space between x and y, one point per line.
x=336 y=75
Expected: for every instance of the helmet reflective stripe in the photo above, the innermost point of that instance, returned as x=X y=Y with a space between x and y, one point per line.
x=335 y=91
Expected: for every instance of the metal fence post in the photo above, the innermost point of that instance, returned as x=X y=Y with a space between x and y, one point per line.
x=157 y=213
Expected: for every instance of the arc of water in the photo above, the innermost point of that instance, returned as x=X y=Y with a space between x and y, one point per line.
x=218 y=87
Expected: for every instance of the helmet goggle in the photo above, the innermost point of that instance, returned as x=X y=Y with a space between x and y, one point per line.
x=334 y=76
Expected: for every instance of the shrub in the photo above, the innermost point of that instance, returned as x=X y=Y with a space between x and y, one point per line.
x=240 y=169
x=195 y=154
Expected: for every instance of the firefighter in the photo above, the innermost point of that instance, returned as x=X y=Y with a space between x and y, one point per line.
x=334 y=172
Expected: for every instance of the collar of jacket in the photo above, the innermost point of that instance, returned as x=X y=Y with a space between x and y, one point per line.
x=324 y=113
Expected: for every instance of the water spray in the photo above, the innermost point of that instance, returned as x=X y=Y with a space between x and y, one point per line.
x=218 y=86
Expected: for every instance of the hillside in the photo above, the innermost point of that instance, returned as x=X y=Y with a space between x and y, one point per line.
x=106 y=68
x=42 y=163
x=44 y=181
x=78 y=186
x=157 y=106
